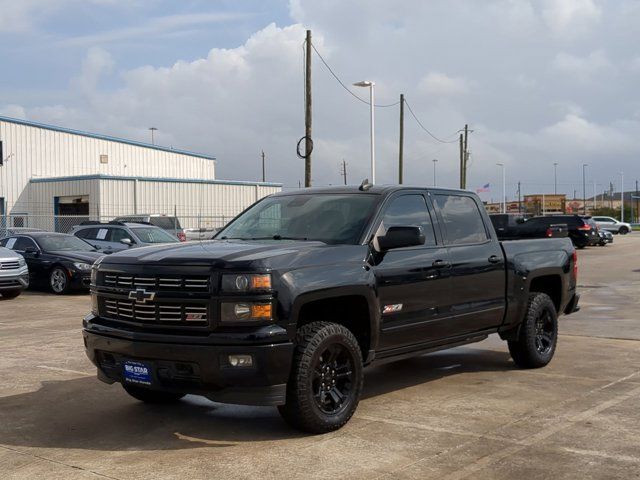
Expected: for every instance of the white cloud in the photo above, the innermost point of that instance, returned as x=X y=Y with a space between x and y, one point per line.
x=570 y=17
x=583 y=67
x=440 y=84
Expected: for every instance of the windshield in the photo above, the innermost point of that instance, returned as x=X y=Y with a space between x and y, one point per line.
x=153 y=235
x=329 y=218
x=63 y=243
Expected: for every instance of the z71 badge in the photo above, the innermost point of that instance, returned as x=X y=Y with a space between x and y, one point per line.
x=396 y=307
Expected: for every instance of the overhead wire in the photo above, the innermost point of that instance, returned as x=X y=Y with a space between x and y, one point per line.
x=377 y=105
x=425 y=128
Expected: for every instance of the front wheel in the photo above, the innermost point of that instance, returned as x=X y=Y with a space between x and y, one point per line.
x=152 y=396
x=623 y=230
x=326 y=378
x=538 y=335
x=59 y=281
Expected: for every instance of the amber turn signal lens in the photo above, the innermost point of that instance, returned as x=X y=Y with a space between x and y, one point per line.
x=261 y=282
x=261 y=311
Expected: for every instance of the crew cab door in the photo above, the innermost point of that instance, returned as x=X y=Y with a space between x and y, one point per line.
x=477 y=263
x=413 y=282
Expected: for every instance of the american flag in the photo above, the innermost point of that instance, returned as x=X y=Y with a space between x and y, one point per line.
x=484 y=188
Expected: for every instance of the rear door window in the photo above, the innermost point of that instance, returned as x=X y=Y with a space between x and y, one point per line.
x=462 y=219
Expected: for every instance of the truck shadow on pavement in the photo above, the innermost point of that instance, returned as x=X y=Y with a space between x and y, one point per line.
x=83 y=413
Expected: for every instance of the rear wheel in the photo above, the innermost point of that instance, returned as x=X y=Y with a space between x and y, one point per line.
x=59 y=281
x=538 y=335
x=152 y=396
x=326 y=378
x=11 y=293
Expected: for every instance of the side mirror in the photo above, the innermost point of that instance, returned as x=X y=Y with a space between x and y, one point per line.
x=399 y=237
x=126 y=241
x=520 y=220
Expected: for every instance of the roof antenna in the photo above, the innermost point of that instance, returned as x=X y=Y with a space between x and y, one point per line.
x=365 y=185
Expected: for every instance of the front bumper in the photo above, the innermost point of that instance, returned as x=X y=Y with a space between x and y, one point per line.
x=14 y=279
x=80 y=280
x=200 y=369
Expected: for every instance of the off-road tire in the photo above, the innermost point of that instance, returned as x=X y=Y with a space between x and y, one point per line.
x=302 y=410
x=11 y=293
x=147 y=395
x=526 y=351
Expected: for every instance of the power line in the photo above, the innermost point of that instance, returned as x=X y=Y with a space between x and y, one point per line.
x=424 y=128
x=347 y=88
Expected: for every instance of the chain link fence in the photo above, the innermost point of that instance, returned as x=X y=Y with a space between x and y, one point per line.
x=195 y=226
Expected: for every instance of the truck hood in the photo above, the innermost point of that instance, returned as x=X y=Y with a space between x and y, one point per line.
x=218 y=253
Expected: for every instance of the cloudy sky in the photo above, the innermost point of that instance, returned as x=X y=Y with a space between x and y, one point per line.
x=538 y=81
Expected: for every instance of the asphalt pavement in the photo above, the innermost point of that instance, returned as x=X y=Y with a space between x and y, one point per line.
x=463 y=413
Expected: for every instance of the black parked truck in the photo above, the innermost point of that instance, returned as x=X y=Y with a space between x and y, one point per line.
x=302 y=290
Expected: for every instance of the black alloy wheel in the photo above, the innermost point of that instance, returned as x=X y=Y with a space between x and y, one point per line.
x=333 y=379
x=545 y=333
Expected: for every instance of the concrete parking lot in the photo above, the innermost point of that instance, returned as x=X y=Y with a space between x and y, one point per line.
x=463 y=413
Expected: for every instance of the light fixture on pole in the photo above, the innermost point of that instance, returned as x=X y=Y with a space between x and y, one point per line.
x=622 y=196
x=555 y=178
x=152 y=130
x=504 y=188
x=435 y=160
x=370 y=85
x=584 y=189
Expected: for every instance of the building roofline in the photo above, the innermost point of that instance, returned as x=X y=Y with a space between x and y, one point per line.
x=109 y=138
x=100 y=176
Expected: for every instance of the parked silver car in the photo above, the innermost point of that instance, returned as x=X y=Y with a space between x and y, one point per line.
x=14 y=274
x=115 y=236
x=612 y=225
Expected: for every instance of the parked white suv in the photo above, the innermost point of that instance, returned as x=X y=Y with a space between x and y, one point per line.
x=612 y=225
x=14 y=273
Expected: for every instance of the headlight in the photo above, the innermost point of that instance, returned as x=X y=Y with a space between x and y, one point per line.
x=84 y=267
x=234 y=312
x=21 y=262
x=246 y=282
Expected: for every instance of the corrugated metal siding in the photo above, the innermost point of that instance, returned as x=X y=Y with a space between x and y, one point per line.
x=190 y=200
x=38 y=152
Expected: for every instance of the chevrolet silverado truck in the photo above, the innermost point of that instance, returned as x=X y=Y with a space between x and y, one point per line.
x=296 y=295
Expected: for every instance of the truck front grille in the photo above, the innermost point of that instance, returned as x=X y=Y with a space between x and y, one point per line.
x=197 y=283
x=158 y=313
x=10 y=265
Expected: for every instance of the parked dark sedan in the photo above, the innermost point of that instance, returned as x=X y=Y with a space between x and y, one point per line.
x=57 y=260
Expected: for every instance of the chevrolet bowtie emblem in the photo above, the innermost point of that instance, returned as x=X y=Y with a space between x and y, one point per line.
x=141 y=295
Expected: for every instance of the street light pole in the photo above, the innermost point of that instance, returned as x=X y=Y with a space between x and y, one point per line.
x=555 y=178
x=584 y=189
x=370 y=84
x=622 y=196
x=435 y=160
x=504 y=188
x=152 y=129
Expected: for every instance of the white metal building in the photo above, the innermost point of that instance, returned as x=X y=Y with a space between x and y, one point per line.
x=50 y=171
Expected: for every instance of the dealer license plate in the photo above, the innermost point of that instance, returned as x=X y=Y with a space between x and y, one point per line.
x=137 y=372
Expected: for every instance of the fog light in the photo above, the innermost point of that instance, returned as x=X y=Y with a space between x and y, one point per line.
x=240 y=360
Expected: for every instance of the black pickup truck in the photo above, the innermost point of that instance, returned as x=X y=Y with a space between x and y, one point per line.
x=302 y=290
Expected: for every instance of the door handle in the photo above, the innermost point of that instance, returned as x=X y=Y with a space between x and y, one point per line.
x=494 y=259
x=440 y=264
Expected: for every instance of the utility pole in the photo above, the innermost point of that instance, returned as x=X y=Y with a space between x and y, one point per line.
x=622 y=196
x=344 y=171
x=401 y=147
x=461 y=163
x=637 y=211
x=519 y=199
x=555 y=178
x=435 y=160
x=308 y=144
x=466 y=155
x=263 y=172
x=584 y=190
